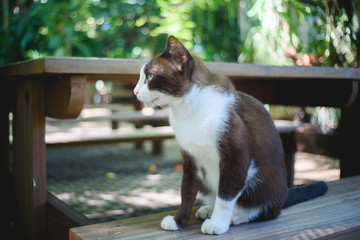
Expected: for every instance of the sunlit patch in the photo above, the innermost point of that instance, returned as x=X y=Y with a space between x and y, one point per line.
x=152 y=180
x=148 y=111
x=152 y=198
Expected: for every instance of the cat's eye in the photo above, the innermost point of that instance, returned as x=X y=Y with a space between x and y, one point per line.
x=149 y=76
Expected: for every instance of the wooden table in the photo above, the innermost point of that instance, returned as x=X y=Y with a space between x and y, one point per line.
x=56 y=87
x=336 y=215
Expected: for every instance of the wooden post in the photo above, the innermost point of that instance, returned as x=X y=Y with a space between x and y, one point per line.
x=5 y=173
x=29 y=166
x=349 y=135
x=289 y=145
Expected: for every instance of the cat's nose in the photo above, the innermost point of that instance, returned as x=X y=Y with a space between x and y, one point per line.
x=136 y=92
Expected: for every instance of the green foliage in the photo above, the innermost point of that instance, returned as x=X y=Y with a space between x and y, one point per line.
x=280 y=32
x=291 y=32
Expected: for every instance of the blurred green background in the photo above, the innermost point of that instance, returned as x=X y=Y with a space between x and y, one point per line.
x=288 y=32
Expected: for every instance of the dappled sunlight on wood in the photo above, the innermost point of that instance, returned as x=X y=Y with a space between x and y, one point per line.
x=311 y=167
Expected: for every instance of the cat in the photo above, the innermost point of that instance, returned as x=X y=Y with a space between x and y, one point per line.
x=232 y=152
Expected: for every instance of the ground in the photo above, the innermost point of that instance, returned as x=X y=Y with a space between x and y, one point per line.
x=109 y=182
x=114 y=181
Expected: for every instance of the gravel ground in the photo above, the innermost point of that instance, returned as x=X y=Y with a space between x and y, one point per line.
x=113 y=181
x=110 y=182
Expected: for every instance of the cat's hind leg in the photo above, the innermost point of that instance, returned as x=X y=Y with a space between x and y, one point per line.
x=206 y=211
x=245 y=214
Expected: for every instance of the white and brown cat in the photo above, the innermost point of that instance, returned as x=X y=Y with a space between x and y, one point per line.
x=232 y=152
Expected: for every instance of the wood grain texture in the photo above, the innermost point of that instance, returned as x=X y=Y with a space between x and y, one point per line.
x=7 y=205
x=300 y=86
x=137 y=135
x=131 y=116
x=65 y=96
x=61 y=217
x=105 y=66
x=56 y=139
x=29 y=166
x=335 y=215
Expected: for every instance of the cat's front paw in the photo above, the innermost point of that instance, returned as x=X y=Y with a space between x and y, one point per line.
x=204 y=212
x=214 y=227
x=168 y=223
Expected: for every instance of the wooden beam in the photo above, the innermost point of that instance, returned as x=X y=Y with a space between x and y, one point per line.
x=335 y=93
x=129 y=67
x=61 y=217
x=29 y=166
x=65 y=96
x=349 y=139
x=138 y=135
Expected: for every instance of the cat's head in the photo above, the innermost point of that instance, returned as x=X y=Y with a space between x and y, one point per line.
x=166 y=77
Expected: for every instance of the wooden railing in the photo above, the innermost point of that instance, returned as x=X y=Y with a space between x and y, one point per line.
x=56 y=87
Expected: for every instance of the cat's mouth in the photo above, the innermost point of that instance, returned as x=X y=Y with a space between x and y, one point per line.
x=152 y=102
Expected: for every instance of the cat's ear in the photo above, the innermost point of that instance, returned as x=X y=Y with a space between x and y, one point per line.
x=174 y=46
x=177 y=53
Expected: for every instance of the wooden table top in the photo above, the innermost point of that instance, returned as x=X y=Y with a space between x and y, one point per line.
x=112 y=66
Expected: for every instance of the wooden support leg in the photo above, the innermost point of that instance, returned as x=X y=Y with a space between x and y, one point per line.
x=5 y=174
x=158 y=147
x=29 y=167
x=350 y=144
x=139 y=145
x=289 y=145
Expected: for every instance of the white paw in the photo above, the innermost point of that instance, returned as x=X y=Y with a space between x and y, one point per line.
x=168 y=223
x=213 y=227
x=204 y=212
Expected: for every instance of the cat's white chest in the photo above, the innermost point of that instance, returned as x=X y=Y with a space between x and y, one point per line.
x=200 y=118
x=198 y=121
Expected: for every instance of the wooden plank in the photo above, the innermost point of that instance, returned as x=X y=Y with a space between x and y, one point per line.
x=269 y=84
x=56 y=140
x=65 y=96
x=236 y=70
x=333 y=214
x=61 y=217
x=106 y=66
x=29 y=167
x=29 y=67
x=132 y=116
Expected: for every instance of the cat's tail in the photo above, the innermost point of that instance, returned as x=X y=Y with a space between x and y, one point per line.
x=304 y=193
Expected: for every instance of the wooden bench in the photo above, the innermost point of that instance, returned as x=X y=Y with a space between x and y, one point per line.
x=138 y=118
x=131 y=116
x=56 y=87
x=336 y=215
x=287 y=130
x=156 y=135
